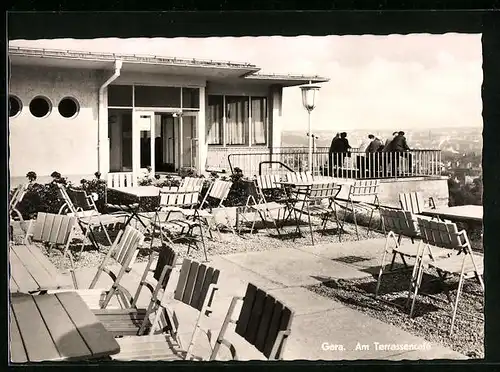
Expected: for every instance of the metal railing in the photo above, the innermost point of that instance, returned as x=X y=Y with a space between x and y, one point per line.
x=355 y=164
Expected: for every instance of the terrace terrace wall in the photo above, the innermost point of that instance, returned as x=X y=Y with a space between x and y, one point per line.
x=435 y=187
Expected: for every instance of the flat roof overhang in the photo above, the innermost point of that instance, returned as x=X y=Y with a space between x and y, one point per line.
x=285 y=80
x=130 y=63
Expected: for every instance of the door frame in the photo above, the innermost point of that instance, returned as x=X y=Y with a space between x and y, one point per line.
x=136 y=141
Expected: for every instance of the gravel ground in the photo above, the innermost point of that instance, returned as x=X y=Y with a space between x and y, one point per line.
x=432 y=317
x=227 y=243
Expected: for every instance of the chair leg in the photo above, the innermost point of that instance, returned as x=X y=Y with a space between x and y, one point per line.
x=417 y=287
x=203 y=242
x=72 y=269
x=370 y=223
x=460 y=284
x=106 y=233
x=381 y=271
x=355 y=223
x=392 y=261
x=274 y=223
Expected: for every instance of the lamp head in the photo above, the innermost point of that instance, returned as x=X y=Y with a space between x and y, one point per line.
x=309 y=93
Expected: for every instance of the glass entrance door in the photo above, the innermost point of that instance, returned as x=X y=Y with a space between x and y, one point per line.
x=143 y=137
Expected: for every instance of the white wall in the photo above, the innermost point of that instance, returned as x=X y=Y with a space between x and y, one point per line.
x=54 y=143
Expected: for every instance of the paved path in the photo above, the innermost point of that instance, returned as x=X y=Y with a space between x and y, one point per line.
x=322 y=329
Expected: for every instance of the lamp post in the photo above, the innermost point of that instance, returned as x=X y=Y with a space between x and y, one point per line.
x=308 y=101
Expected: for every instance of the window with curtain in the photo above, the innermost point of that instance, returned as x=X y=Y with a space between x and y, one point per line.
x=237 y=110
x=259 y=120
x=214 y=124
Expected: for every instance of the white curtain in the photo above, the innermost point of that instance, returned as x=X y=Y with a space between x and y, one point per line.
x=259 y=121
x=237 y=120
x=214 y=135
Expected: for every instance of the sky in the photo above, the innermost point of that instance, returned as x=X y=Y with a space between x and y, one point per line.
x=376 y=82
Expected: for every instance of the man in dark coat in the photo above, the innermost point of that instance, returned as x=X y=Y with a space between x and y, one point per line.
x=373 y=156
x=332 y=159
x=343 y=148
x=400 y=147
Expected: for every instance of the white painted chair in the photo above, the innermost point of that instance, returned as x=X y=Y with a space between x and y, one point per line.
x=121 y=179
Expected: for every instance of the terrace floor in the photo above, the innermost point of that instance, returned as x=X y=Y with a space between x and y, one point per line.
x=320 y=324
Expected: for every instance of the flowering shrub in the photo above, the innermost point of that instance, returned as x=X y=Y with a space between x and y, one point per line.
x=46 y=197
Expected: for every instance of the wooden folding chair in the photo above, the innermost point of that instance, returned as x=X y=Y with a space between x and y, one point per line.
x=178 y=200
x=363 y=196
x=82 y=206
x=256 y=202
x=17 y=197
x=308 y=200
x=217 y=193
x=53 y=230
x=269 y=185
x=299 y=177
x=192 y=184
x=122 y=253
x=397 y=224
x=464 y=263
x=132 y=320
x=195 y=288
x=263 y=322
x=415 y=202
x=121 y=179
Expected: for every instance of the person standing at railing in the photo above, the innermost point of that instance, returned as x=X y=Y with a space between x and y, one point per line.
x=373 y=155
x=334 y=146
x=388 y=155
x=400 y=148
x=343 y=148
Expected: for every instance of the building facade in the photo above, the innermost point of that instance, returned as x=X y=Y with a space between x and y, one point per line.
x=80 y=112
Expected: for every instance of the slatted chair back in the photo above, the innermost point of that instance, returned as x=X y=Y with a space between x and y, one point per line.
x=363 y=189
x=442 y=234
x=17 y=197
x=161 y=274
x=268 y=182
x=316 y=192
x=127 y=245
x=400 y=222
x=51 y=228
x=196 y=288
x=263 y=321
x=255 y=195
x=121 y=179
x=124 y=250
x=68 y=202
x=327 y=190
x=81 y=200
x=177 y=197
x=299 y=177
x=219 y=190
x=192 y=183
x=412 y=201
x=194 y=281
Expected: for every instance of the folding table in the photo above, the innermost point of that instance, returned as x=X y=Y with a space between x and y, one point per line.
x=56 y=327
x=137 y=192
x=462 y=213
x=31 y=271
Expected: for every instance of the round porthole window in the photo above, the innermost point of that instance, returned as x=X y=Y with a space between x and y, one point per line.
x=15 y=106
x=68 y=107
x=40 y=107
